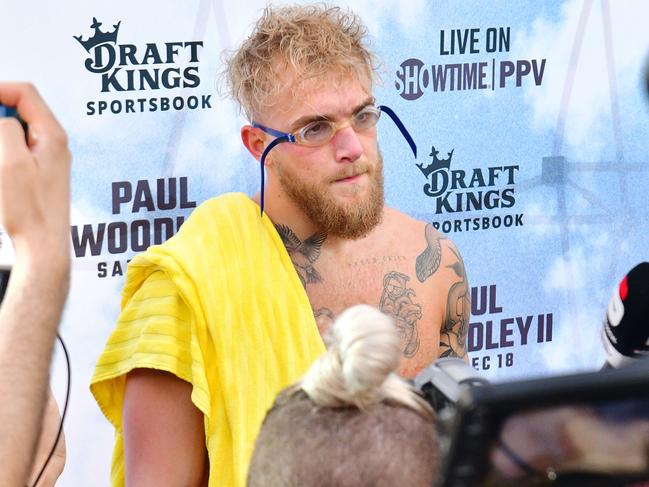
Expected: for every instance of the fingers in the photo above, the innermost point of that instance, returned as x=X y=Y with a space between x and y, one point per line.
x=12 y=140
x=34 y=177
x=43 y=126
x=28 y=102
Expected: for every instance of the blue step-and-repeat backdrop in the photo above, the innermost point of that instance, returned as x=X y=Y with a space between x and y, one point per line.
x=530 y=117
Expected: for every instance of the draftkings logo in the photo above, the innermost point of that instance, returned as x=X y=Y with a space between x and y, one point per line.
x=129 y=68
x=481 y=189
x=414 y=76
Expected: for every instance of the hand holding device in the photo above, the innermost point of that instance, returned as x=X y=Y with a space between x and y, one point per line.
x=35 y=213
x=34 y=178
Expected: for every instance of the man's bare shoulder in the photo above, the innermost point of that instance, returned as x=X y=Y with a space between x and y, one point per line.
x=422 y=235
x=393 y=217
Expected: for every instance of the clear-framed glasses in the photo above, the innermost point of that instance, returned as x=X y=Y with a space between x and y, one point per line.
x=319 y=132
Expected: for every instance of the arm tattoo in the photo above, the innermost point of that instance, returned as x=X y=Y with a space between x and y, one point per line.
x=456 y=324
x=303 y=254
x=428 y=261
x=396 y=301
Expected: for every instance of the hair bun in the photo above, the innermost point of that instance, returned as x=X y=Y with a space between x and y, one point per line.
x=368 y=345
x=364 y=352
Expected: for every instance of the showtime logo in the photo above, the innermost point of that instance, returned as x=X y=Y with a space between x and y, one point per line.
x=414 y=76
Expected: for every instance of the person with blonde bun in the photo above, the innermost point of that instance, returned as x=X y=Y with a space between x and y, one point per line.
x=351 y=421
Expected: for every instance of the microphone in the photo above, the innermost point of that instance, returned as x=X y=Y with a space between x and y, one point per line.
x=442 y=382
x=625 y=333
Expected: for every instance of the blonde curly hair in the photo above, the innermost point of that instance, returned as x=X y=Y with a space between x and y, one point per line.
x=305 y=41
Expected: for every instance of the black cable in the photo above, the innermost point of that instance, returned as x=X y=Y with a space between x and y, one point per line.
x=65 y=410
x=523 y=465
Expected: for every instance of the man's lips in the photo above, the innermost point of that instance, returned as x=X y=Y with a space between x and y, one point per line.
x=349 y=179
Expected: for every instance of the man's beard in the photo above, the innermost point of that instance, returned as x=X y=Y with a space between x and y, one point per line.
x=351 y=220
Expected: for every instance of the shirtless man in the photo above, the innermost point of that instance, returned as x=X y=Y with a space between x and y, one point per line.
x=326 y=201
x=304 y=76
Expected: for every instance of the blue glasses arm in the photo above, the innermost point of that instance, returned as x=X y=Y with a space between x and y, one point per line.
x=401 y=127
x=268 y=148
x=275 y=133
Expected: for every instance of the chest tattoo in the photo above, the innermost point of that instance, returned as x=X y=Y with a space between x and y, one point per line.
x=397 y=302
x=303 y=254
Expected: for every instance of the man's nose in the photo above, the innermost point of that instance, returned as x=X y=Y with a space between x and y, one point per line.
x=347 y=145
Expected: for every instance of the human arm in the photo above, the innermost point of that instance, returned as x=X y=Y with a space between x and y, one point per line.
x=49 y=430
x=164 y=435
x=34 y=209
x=442 y=259
x=153 y=334
x=455 y=326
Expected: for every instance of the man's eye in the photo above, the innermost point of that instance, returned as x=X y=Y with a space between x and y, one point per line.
x=366 y=118
x=316 y=129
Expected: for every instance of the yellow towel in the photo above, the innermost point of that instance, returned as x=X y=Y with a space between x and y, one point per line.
x=220 y=306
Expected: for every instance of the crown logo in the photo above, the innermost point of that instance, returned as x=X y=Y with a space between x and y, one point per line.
x=437 y=164
x=99 y=37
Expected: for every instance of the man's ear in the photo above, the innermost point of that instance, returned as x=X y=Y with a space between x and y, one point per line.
x=254 y=141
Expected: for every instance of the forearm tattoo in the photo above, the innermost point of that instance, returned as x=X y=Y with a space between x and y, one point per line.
x=303 y=254
x=456 y=323
x=396 y=301
x=428 y=261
